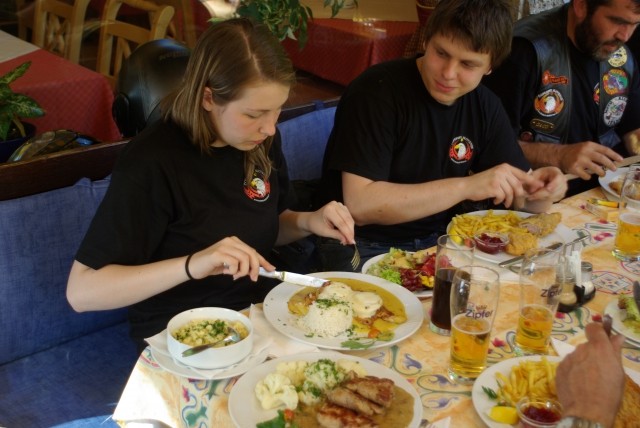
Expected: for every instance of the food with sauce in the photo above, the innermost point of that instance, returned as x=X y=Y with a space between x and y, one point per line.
x=202 y=332
x=523 y=233
x=333 y=394
x=348 y=306
x=491 y=242
x=631 y=316
x=413 y=270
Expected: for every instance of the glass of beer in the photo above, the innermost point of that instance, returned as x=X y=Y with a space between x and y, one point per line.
x=539 y=297
x=452 y=251
x=627 y=244
x=475 y=291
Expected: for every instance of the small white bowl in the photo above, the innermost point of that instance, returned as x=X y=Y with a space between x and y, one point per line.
x=212 y=358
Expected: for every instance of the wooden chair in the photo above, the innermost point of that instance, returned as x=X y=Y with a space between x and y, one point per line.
x=125 y=37
x=58 y=26
x=182 y=27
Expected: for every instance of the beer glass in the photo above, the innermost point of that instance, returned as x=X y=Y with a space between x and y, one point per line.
x=539 y=297
x=627 y=244
x=475 y=291
x=452 y=251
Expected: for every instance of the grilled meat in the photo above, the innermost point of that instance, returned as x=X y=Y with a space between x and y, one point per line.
x=332 y=416
x=347 y=398
x=378 y=390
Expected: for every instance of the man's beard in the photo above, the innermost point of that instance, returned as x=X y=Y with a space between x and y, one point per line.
x=587 y=41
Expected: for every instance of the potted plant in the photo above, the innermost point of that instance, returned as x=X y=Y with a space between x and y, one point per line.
x=13 y=108
x=285 y=18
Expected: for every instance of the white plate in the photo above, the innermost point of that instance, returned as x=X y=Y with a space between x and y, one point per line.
x=277 y=313
x=487 y=378
x=608 y=178
x=365 y=267
x=160 y=352
x=618 y=326
x=246 y=411
x=561 y=234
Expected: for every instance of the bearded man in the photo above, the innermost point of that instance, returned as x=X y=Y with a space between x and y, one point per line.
x=576 y=56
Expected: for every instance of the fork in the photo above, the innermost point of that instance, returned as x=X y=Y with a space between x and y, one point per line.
x=355 y=260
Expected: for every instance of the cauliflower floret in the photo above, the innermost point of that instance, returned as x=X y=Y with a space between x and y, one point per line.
x=275 y=390
x=294 y=370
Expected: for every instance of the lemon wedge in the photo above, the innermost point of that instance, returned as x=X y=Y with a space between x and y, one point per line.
x=504 y=414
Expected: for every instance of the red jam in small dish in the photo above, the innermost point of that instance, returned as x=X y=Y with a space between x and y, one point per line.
x=535 y=416
x=491 y=243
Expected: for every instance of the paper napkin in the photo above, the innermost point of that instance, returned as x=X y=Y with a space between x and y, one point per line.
x=281 y=345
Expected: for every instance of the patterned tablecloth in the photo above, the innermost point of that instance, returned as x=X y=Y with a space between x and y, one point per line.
x=72 y=96
x=340 y=49
x=422 y=359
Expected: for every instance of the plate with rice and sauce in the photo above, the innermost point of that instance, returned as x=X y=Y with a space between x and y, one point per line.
x=355 y=311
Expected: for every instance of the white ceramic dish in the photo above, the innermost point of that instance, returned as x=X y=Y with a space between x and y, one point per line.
x=246 y=411
x=561 y=234
x=422 y=294
x=487 y=378
x=161 y=355
x=608 y=178
x=277 y=313
x=618 y=326
x=212 y=358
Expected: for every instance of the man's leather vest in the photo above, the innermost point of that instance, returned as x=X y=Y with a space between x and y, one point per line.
x=552 y=104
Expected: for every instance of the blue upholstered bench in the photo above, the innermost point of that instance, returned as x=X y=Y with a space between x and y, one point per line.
x=57 y=367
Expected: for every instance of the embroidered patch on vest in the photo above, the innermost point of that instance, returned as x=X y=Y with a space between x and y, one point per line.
x=614 y=110
x=548 y=78
x=461 y=150
x=615 y=81
x=618 y=58
x=541 y=125
x=259 y=189
x=549 y=103
x=596 y=94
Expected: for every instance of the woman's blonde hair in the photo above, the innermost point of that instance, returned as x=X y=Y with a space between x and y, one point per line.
x=229 y=56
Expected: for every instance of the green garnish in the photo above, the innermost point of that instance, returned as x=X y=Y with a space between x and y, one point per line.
x=490 y=392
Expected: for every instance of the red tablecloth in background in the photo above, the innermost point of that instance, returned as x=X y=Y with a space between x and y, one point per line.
x=340 y=49
x=72 y=96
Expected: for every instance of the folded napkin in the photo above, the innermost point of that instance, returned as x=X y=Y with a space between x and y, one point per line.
x=158 y=343
x=563 y=349
x=442 y=423
x=280 y=345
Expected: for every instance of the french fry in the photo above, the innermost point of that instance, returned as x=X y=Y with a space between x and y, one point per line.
x=469 y=225
x=533 y=379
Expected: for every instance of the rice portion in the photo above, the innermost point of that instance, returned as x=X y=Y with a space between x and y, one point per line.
x=327 y=318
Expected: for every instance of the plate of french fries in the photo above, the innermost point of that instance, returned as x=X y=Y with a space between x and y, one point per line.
x=506 y=382
x=505 y=222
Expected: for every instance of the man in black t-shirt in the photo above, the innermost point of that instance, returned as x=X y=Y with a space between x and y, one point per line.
x=414 y=138
x=571 y=88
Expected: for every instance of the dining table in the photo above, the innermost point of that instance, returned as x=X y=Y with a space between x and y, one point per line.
x=72 y=96
x=153 y=393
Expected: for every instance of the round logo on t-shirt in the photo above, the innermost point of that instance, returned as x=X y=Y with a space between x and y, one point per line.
x=615 y=81
x=461 y=149
x=614 y=110
x=618 y=58
x=549 y=103
x=259 y=188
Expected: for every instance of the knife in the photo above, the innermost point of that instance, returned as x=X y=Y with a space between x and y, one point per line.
x=509 y=262
x=553 y=246
x=294 y=278
x=624 y=162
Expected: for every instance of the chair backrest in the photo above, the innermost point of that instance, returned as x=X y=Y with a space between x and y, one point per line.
x=182 y=27
x=58 y=25
x=118 y=38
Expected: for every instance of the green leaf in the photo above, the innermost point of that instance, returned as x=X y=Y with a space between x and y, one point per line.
x=25 y=106
x=490 y=392
x=15 y=73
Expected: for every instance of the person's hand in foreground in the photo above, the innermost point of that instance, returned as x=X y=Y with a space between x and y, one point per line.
x=590 y=380
x=333 y=221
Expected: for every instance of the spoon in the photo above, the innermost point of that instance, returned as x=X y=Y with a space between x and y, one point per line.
x=232 y=337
